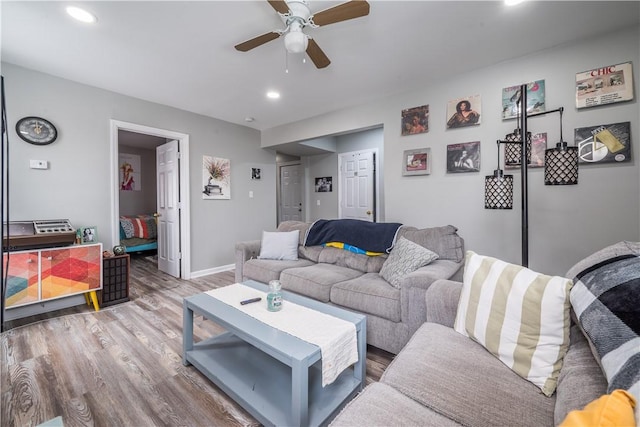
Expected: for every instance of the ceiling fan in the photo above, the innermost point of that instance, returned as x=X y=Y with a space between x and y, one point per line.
x=296 y=15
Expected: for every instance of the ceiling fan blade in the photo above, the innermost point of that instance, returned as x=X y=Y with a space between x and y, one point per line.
x=342 y=12
x=279 y=6
x=257 y=41
x=317 y=55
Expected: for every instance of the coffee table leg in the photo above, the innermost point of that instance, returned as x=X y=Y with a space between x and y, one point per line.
x=300 y=392
x=360 y=368
x=187 y=332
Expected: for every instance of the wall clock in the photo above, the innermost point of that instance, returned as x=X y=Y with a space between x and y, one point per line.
x=36 y=130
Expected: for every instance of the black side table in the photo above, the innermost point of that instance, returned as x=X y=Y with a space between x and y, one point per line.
x=115 y=280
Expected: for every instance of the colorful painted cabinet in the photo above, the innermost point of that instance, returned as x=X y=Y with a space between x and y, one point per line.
x=40 y=275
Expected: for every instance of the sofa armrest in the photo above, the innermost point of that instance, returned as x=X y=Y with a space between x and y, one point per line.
x=244 y=252
x=441 y=300
x=414 y=286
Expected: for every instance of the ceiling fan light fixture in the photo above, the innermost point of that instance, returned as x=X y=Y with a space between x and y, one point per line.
x=296 y=41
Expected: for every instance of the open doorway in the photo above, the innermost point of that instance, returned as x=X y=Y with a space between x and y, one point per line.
x=148 y=139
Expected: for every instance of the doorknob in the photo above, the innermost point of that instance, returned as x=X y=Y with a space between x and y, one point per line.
x=368 y=212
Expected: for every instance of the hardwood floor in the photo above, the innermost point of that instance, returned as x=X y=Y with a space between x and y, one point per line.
x=121 y=366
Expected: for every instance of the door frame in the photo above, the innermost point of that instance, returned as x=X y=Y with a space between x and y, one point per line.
x=185 y=225
x=376 y=180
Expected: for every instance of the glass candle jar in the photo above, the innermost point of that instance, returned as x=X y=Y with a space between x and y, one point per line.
x=274 y=297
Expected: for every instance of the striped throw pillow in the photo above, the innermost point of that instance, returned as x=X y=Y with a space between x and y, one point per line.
x=518 y=315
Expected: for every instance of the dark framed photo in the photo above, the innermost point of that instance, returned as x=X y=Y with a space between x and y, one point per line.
x=415 y=120
x=256 y=173
x=324 y=184
x=604 y=143
x=89 y=234
x=464 y=157
x=416 y=162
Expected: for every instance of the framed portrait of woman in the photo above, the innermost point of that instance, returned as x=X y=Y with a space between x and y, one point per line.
x=463 y=112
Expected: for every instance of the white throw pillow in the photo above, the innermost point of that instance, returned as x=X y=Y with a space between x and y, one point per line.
x=282 y=245
x=518 y=315
x=405 y=257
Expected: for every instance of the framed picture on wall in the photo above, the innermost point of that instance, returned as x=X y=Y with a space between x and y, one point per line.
x=256 y=173
x=89 y=234
x=416 y=162
x=415 y=120
x=324 y=184
x=216 y=178
x=535 y=99
x=130 y=177
x=604 y=85
x=604 y=143
x=463 y=112
x=464 y=157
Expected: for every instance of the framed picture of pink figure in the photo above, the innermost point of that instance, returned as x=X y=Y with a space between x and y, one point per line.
x=416 y=162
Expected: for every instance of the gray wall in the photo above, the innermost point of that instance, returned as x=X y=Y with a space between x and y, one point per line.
x=143 y=201
x=566 y=222
x=77 y=185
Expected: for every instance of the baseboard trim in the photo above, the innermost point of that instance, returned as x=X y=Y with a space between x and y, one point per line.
x=228 y=267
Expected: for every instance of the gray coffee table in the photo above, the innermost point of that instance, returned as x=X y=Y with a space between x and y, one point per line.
x=275 y=376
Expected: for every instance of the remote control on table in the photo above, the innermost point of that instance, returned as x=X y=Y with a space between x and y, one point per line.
x=249 y=301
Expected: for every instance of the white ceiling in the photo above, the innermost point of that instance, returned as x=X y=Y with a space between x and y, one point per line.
x=181 y=53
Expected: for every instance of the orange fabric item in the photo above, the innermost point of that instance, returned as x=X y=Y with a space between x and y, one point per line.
x=615 y=410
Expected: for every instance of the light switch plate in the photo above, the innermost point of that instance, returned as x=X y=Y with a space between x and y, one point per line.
x=38 y=164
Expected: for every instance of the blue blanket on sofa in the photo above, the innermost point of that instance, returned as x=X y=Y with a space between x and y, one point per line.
x=370 y=236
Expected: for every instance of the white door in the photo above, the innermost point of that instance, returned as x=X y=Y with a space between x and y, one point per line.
x=168 y=201
x=357 y=185
x=291 y=208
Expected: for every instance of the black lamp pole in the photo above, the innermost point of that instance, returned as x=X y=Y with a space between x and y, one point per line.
x=523 y=176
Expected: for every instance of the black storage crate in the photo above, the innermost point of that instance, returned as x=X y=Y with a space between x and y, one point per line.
x=115 y=280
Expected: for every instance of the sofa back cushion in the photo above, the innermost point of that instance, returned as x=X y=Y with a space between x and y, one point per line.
x=520 y=316
x=348 y=259
x=302 y=227
x=442 y=240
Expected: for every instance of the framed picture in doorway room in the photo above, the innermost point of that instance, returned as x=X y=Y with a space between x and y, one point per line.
x=324 y=184
x=416 y=162
x=89 y=234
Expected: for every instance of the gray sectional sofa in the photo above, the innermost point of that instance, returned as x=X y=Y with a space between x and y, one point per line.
x=351 y=280
x=442 y=378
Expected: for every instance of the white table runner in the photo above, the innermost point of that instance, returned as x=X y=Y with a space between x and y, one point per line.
x=335 y=337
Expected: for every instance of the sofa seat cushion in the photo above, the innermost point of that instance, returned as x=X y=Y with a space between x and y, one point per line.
x=369 y=294
x=315 y=281
x=264 y=270
x=381 y=405
x=455 y=376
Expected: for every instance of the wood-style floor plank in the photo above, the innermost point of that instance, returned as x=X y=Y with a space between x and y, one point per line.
x=121 y=366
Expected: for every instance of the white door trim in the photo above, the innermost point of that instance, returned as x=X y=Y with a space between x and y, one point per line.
x=376 y=165
x=185 y=225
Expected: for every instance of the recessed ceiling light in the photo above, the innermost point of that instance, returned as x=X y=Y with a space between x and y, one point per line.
x=249 y=119
x=272 y=94
x=512 y=2
x=81 y=14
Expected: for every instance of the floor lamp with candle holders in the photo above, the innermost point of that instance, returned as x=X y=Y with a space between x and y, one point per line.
x=560 y=168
